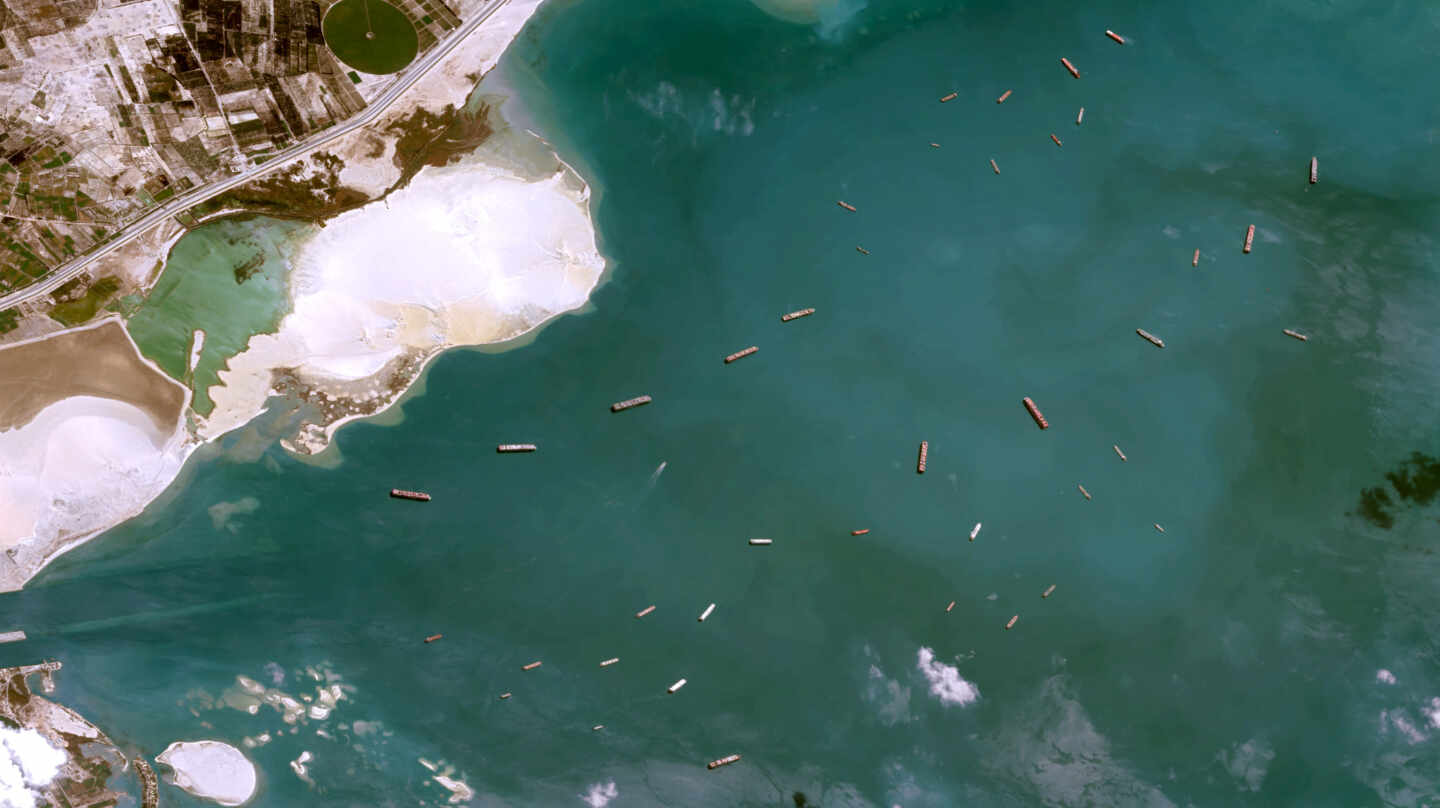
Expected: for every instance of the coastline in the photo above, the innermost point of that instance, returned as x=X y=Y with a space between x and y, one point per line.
x=466 y=320
x=25 y=557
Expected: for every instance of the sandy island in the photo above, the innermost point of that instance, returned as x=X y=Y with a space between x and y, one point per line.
x=90 y=433
x=211 y=770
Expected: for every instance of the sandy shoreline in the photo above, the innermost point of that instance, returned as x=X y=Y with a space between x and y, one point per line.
x=92 y=433
x=493 y=247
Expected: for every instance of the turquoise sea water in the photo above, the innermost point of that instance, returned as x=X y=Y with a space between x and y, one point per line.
x=1231 y=660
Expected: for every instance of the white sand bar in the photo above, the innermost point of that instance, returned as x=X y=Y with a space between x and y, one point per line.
x=465 y=255
x=211 y=770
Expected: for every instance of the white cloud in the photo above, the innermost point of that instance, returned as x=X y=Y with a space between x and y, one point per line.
x=945 y=681
x=1433 y=713
x=27 y=763
x=600 y=795
x=1384 y=677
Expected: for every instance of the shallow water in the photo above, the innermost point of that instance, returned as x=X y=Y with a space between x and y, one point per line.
x=226 y=277
x=1230 y=660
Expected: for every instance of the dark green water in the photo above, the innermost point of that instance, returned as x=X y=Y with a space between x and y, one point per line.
x=1231 y=660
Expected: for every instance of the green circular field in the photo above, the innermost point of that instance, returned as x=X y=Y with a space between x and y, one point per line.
x=371 y=36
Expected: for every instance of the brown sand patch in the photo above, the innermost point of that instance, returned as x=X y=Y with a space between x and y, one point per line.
x=100 y=361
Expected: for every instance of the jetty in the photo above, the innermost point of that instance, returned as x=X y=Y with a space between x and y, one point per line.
x=705 y=615
x=861 y=532
x=149 y=784
x=948 y=97
x=1035 y=413
x=741 y=354
x=795 y=315
x=1118 y=452
x=1314 y=170
x=644 y=611
x=1288 y=333
x=418 y=496
x=532 y=666
x=673 y=688
x=1070 y=67
x=761 y=542
x=1118 y=39
x=1085 y=493
x=725 y=761
x=1003 y=96
x=513 y=448
x=1150 y=338
x=846 y=205
x=433 y=638
x=1249 y=238
x=629 y=403
x=924 y=453
x=1048 y=590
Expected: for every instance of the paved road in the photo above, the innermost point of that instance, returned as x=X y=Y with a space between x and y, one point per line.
x=199 y=194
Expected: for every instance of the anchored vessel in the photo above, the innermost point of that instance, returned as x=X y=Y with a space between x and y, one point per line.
x=861 y=250
x=1003 y=96
x=1057 y=140
x=861 y=532
x=1070 y=67
x=1249 y=237
x=1012 y=622
x=672 y=688
x=605 y=663
x=1083 y=491
x=1115 y=36
x=1080 y=118
x=949 y=97
x=1035 y=413
x=1314 y=170
x=418 y=496
x=741 y=354
x=795 y=315
x=532 y=666
x=992 y=165
x=644 y=611
x=924 y=452
x=433 y=638
x=974 y=531
x=510 y=448
x=725 y=761
x=1048 y=590
x=630 y=402
x=1195 y=262
x=705 y=615
x=761 y=542
x=1151 y=338
x=1288 y=333
x=846 y=205
x=1118 y=452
